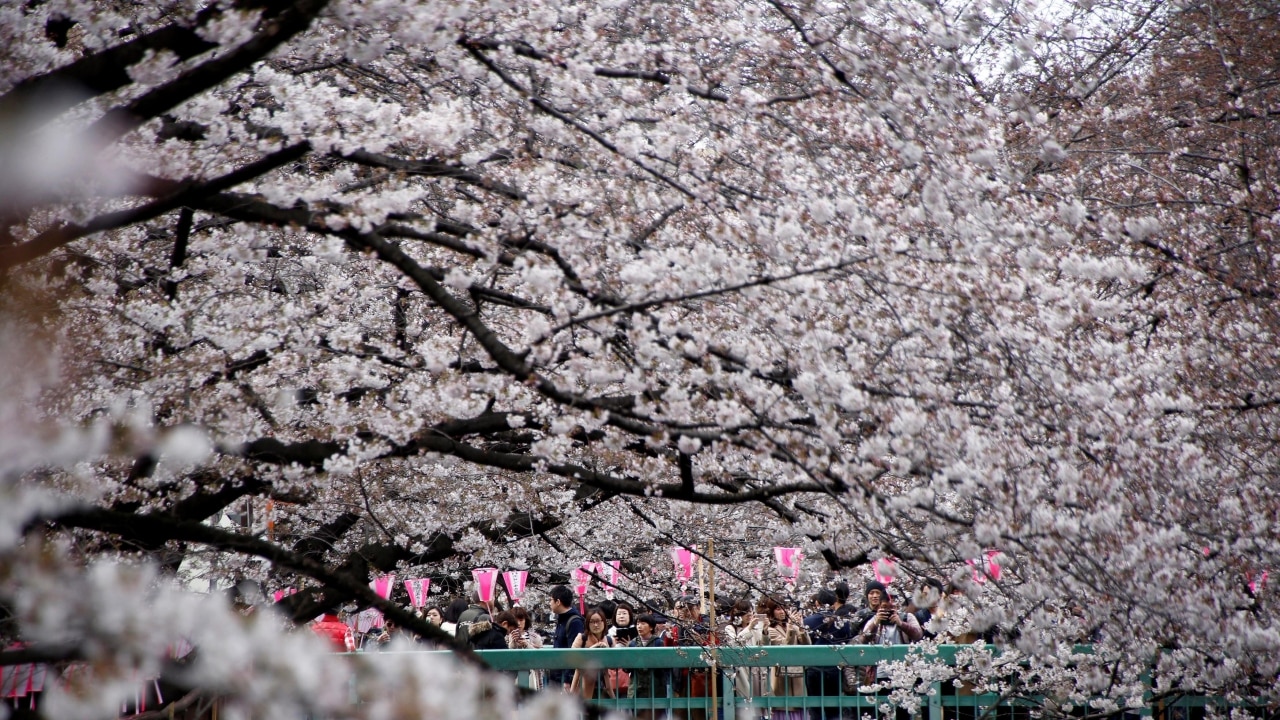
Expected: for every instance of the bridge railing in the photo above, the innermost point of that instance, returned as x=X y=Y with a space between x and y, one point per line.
x=792 y=682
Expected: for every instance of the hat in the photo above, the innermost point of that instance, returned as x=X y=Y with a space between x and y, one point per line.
x=686 y=601
x=874 y=585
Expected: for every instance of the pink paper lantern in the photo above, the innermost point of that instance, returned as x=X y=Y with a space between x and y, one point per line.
x=582 y=577
x=885 y=569
x=683 y=558
x=418 y=589
x=382 y=586
x=282 y=594
x=609 y=570
x=985 y=567
x=515 y=580
x=789 y=560
x=486 y=582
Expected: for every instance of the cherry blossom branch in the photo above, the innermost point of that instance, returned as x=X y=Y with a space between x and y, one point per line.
x=293 y=18
x=189 y=194
x=161 y=529
x=658 y=302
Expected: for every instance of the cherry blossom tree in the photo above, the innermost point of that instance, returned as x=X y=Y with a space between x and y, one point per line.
x=412 y=286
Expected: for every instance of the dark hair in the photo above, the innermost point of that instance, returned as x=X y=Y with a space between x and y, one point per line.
x=934 y=583
x=824 y=597
x=608 y=606
x=427 y=611
x=586 y=622
x=455 y=610
x=842 y=592
x=506 y=616
x=624 y=605
x=562 y=595
x=741 y=606
x=649 y=620
x=522 y=615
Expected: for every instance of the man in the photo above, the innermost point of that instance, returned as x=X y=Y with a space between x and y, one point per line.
x=825 y=627
x=569 y=625
x=888 y=625
x=475 y=612
x=688 y=629
x=925 y=603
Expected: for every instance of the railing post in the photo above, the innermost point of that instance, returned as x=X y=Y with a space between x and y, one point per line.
x=729 y=702
x=934 y=711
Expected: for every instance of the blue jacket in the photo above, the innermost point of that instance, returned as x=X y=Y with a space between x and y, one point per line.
x=568 y=626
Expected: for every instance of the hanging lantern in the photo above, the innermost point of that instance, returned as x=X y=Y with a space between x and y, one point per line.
x=515 y=580
x=609 y=570
x=885 y=569
x=382 y=586
x=282 y=594
x=582 y=578
x=486 y=582
x=418 y=589
x=788 y=559
x=985 y=567
x=683 y=558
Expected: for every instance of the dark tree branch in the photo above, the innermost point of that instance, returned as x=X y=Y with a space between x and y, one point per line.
x=277 y=29
x=188 y=194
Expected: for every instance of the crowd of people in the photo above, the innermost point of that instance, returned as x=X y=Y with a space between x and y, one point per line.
x=831 y=617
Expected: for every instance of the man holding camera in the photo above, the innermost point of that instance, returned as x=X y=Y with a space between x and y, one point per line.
x=888 y=625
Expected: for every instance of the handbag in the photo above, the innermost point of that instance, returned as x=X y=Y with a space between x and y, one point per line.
x=698 y=683
x=856 y=676
x=617 y=681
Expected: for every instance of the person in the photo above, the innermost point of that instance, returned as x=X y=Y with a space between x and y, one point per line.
x=785 y=629
x=924 y=604
x=476 y=611
x=338 y=633
x=569 y=625
x=514 y=624
x=826 y=627
x=648 y=684
x=527 y=636
x=688 y=629
x=841 y=589
x=435 y=616
x=624 y=627
x=589 y=682
x=609 y=607
x=451 y=613
x=888 y=626
x=742 y=630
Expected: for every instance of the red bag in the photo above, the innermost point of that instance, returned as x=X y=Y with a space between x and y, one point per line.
x=617 y=681
x=698 y=683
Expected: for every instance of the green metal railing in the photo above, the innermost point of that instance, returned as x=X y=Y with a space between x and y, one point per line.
x=677 y=681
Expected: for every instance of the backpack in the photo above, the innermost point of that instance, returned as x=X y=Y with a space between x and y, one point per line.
x=472 y=621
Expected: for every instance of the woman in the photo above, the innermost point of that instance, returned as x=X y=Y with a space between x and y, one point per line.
x=647 y=684
x=435 y=616
x=518 y=638
x=785 y=629
x=743 y=631
x=451 y=614
x=624 y=627
x=528 y=638
x=595 y=635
